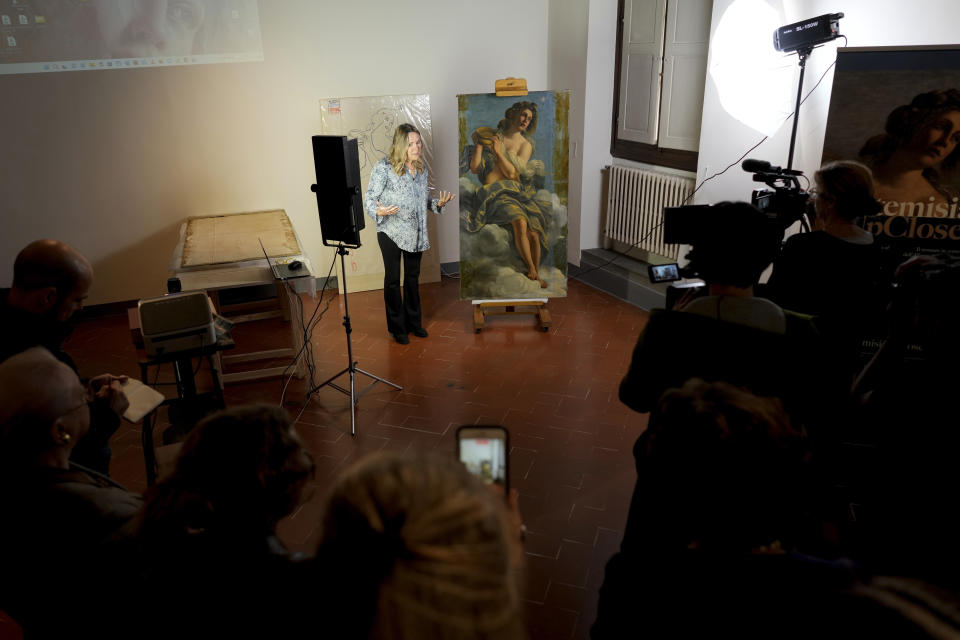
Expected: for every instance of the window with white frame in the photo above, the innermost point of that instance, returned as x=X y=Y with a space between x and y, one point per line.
x=662 y=67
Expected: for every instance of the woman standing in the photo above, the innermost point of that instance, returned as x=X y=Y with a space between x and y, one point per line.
x=397 y=199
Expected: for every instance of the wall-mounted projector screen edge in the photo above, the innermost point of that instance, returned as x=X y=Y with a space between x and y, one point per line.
x=38 y=36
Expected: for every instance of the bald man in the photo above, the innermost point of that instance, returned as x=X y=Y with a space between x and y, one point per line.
x=51 y=280
x=60 y=524
x=43 y=411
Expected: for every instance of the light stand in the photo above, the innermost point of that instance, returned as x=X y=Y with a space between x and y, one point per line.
x=802 y=54
x=788 y=202
x=341 y=219
x=352 y=367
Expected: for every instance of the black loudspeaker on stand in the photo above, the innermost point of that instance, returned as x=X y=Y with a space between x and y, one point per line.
x=337 y=163
x=341 y=219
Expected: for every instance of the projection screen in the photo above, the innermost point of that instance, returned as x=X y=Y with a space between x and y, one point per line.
x=38 y=36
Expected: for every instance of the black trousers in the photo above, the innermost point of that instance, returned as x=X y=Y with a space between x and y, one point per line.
x=403 y=311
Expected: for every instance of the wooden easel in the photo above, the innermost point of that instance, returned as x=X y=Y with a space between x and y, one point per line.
x=537 y=306
x=483 y=308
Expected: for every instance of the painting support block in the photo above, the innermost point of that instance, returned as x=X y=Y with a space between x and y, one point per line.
x=510 y=87
x=537 y=306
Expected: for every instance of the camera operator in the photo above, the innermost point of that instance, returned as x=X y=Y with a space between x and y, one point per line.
x=730 y=335
x=835 y=271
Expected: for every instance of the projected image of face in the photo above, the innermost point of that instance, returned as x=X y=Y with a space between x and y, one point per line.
x=937 y=139
x=144 y=28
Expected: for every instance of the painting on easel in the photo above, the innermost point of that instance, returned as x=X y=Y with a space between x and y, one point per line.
x=513 y=195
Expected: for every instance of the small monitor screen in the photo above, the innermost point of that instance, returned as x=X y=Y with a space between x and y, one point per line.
x=666 y=272
x=485 y=457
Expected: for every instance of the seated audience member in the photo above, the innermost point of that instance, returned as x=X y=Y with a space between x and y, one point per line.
x=834 y=271
x=910 y=415
x=729 y=334
x=50 y=283
x=62 y=528
x=708 y=549
x=417 y=547
x=207 y=535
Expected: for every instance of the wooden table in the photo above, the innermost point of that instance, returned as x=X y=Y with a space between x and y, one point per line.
x=215 y=253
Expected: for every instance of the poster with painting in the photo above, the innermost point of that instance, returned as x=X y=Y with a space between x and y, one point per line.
x=372 y=120
x=513 y=195
x=897 y=110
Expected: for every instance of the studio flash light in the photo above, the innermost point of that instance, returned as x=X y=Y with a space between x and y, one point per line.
x=807 y=34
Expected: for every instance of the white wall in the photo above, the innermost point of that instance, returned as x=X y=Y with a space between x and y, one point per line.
x=114 y=161
x=598 y=115
x=567 y=70
x=866 y=23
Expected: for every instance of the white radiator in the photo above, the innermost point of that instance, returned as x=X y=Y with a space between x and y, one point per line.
x=635 y=202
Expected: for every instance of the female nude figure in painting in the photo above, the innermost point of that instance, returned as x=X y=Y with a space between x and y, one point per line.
x=502 y=160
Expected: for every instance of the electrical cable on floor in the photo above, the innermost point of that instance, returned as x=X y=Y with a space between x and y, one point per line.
x=306 y=403
x=307 y=327
x=311 y=325
x=306 y=349
x=635 y=245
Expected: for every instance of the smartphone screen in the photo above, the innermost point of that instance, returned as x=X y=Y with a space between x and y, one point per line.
x=664 y=272
x=483 y=450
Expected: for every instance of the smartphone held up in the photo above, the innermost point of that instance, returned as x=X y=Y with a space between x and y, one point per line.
x=483 y=450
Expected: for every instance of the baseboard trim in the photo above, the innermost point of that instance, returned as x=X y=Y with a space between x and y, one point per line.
x=623 y=278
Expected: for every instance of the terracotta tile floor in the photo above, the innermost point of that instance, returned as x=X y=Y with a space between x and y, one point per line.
x=571 y=439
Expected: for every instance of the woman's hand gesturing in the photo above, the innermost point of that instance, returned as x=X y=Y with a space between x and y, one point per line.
x=444 y=198
x=386 y=211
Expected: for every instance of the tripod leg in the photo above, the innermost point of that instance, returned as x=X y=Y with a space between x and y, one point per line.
x=352 y=366
x=353 y=401
x=329 y=380
x=378 y=378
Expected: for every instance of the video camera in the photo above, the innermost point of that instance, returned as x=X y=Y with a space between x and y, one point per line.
x=786 y=202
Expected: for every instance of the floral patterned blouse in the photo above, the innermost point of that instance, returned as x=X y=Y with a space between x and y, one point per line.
x=408 y=226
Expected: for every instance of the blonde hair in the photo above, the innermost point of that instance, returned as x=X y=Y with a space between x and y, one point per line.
x=429 y=548
x=398 y=149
